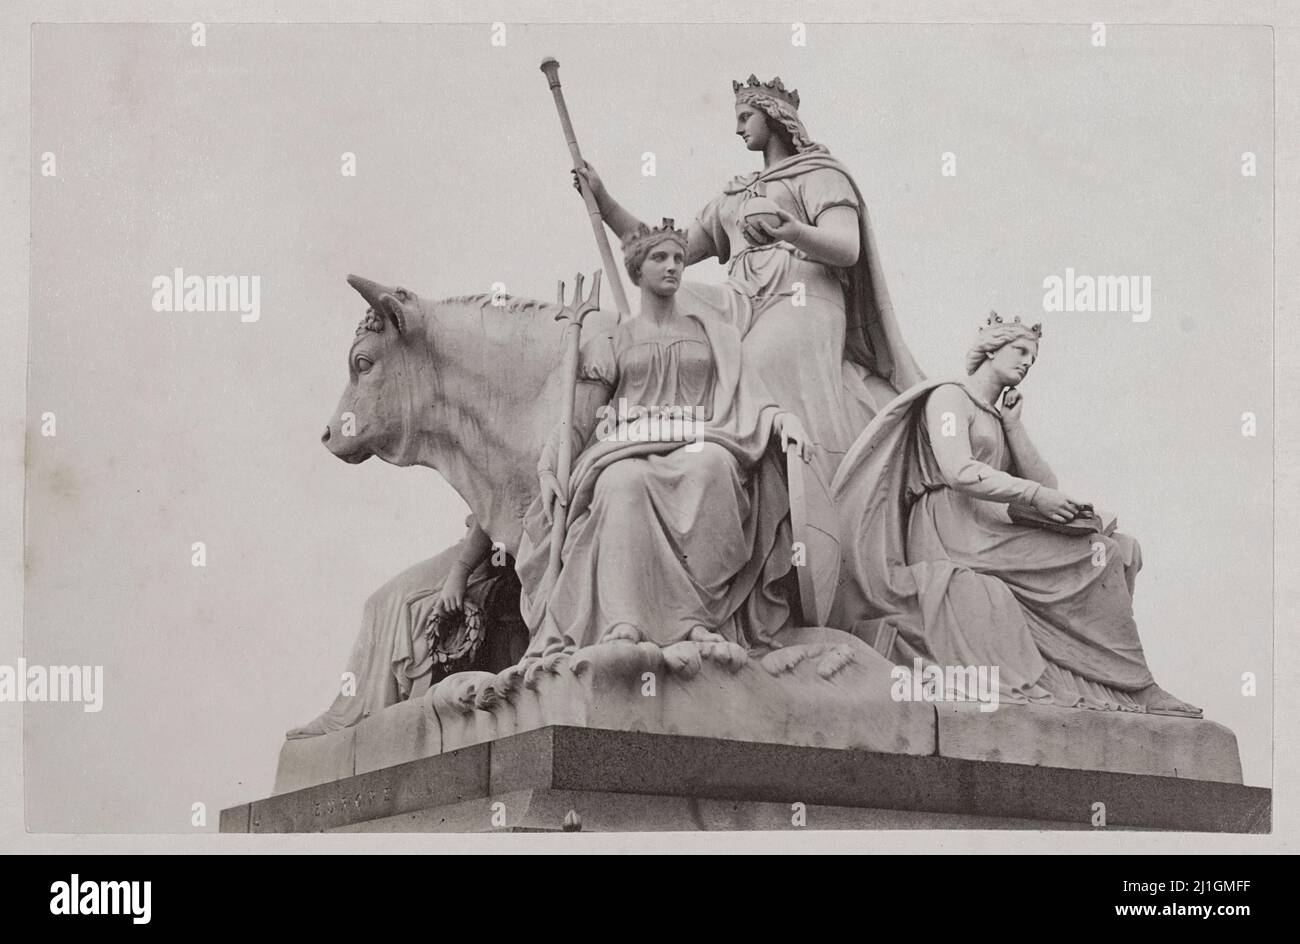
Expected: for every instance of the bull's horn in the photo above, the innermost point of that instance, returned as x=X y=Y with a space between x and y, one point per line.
x=370 y=291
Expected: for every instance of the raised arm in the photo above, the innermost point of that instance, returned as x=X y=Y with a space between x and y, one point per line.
x=948 y=415
x=698 y=245
x=616 y=218
x=623 y=223
x=949 y=410
x=1025 y=457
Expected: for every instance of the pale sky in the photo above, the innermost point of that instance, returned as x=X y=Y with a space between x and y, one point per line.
x=175 y=428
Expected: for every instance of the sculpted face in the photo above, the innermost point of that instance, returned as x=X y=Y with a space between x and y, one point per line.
x=661 y=271
x=751 y=126
x=371 y=415
x=1011 y=362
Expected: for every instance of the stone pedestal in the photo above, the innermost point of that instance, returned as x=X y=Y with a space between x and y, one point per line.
x=624 y=780
x=631 y=736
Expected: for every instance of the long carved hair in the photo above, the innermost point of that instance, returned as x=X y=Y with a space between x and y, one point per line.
x=783 y=120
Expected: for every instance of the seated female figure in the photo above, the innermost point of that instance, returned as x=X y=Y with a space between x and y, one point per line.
x=676 y=515
x=962 y=582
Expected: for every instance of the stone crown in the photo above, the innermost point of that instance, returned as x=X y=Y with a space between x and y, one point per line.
x=995 y=319
x=645 y=235
x=774 y=89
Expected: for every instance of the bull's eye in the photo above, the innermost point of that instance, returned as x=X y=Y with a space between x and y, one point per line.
x=363 y=363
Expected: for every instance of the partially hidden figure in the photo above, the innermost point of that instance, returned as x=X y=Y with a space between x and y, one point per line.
x=926 y=496
x=676 y=513
x=804 y=284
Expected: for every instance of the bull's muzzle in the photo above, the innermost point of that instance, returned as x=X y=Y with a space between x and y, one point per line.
x=343 y=447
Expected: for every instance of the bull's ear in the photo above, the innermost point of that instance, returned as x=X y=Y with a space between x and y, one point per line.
x=392 y=309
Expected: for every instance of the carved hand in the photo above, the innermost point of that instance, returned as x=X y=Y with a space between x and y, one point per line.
x=760 y=234
x=1013 y=403
x=790 y=428
x=592 y=180
x=1057 y=505
x=551 y=495
x=452 y=597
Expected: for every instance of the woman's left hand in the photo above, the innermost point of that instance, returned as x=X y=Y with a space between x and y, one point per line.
x=790 y=428
x=760 y=234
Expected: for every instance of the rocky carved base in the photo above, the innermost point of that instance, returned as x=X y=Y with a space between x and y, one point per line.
x=825 y=689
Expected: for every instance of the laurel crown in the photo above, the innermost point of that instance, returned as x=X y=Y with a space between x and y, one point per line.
x=774 y=89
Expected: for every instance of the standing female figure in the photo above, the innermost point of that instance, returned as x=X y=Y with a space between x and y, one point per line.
x=804 y=285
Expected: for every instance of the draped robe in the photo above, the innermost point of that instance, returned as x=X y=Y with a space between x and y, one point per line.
x=823 y=339
x=664 y=534
x=939 y=557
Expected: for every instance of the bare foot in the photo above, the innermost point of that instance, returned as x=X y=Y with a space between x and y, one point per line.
x=622 y=632
x=834 y=660
x=700 y=634
x=716 y=648
x=785 y=660
x=682 y=658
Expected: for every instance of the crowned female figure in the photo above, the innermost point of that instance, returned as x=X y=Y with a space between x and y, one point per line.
x=962 y=540
x=676 y=515
x=804 y=284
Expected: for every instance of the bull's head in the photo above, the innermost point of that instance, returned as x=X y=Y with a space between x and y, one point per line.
x=374 y=415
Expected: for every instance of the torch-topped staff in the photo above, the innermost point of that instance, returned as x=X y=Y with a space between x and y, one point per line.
x=552 y=69
x=573 y=313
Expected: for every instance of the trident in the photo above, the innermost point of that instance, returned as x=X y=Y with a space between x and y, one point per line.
x=573 y=315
